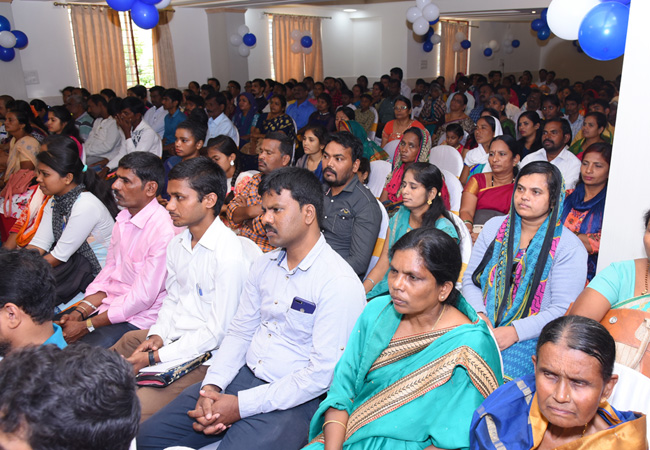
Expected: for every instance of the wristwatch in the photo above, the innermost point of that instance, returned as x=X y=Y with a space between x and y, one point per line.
x=152 y=359
x=89 y=325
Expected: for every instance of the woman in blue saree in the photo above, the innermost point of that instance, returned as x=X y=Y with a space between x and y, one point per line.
x=412 y=354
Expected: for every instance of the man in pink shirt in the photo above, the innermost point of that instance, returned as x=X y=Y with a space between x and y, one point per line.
x=128 y=292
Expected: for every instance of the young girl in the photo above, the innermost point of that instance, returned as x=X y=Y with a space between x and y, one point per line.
x=313 y=142
x=453 y=136
x=60 y=121
x=75 y=230
x=224 y=152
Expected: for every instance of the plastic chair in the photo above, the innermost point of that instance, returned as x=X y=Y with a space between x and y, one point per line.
x=447 y=157
x=465 y=247
x=379 y=170
x=373 y=127
x=390 y=148
x=381 y=238
x=632 y=392
x=455 y=189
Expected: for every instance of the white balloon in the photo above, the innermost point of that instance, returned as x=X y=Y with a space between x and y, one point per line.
x=421 y=26
x=460 y=36
x=413 y=14
x=163 y=4
x=422 y=3
x=306 y=33
x=295 y=35
x=242 y=30
x=493 y=45
x=436 y=39
x=244 y=50
x=431 y=12
x=235 y=40
x=307 y=50
x=565 y=16
x=8 y=39
x=508 y=50
x=456 y=47
x=295 y=47
x=507 y=43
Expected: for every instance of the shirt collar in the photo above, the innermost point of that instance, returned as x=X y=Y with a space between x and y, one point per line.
x=142 y=217
x=348 y=187
x=210 y=238
x=280 y=255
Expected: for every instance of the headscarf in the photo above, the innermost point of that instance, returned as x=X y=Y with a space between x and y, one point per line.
x=23 y=149
x=371 y=151
x=242 y=123
x=394 y=179
x=477 y=158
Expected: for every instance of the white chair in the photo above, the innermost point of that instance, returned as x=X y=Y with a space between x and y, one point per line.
x=379 y=170
x=390 y=148
x=632 y=392
x=447 y=157
x=251 y=250
x=236 y=140
x=381 y=238
x=465 y=247
x=375 y=123
x=455 y=189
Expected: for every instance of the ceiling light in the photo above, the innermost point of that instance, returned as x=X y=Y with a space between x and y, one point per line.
x=534 y=12
x=349 y=10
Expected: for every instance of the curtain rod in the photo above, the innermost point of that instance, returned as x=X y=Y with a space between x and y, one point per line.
x=98 y=5
x=293 y=15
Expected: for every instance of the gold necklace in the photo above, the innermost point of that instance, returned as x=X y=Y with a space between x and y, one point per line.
x=646 y=278
x=585 y=430
x=439 y=317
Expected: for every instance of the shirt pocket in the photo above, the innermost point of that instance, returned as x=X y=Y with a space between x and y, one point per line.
x=343 y=222
x=131 y=270
x=299 y=326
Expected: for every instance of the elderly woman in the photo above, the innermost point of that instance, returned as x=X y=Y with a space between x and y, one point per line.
x=456 y=115
x=412 y=351
x=526 y=268
x=563 y=404
x=423 y=206
x=395 y=128
x=476 y=160
x=489 y=194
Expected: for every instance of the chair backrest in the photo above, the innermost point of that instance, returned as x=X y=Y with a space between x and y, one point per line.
x=379 y=170
x=447 y=157
x=390 y=148
x=455 y=189
x=381 y=238
x=373 y=127
x=251 y=250
x=465 y=246
x=237 y=133
x=632 y=392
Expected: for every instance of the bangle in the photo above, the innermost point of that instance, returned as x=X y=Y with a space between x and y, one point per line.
x=334 y=421
x=89 y=304
x=468 y=222
x=80 y=313
x=152 y=359
x=372 y=281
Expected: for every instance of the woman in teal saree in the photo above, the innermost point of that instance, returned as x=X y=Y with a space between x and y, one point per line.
x=401 y=382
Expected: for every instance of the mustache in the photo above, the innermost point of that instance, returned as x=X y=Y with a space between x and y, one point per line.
x=268 y=228
x=328 y=170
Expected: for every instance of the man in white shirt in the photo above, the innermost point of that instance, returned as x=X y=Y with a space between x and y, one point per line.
x=104 y=140
x=207 y=265
x=218 y=122
x=297 y=311
x=155 y=116
x=138 y=135
x=555 y=139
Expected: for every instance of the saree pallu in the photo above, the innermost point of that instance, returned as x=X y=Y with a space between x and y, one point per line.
x=371 y=151
x=510 y=419
x=411 y=392
x=495 y=198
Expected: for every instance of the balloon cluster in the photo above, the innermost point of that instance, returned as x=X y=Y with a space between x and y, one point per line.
x=144 y=13
x=541 y=26
x=461 y=42
x=244 y=40
x=10 y=40
x=510 y=43
x=490 y=48
x=431 y=39
x=599 y=26
x=302 y=42
x=423 y=15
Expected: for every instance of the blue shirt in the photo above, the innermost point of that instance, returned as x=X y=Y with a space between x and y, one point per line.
x=171 y=122
x=57 y=338
x=300 y=112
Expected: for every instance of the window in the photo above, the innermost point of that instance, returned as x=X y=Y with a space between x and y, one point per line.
x=138 y=53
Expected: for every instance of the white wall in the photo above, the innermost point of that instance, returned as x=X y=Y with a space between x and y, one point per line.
x=189 y=29
x=563 y=57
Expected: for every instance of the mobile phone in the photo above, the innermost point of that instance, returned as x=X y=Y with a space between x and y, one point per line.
x=303 y=306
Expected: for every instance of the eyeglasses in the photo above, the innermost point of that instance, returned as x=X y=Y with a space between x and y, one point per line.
x=401 y=108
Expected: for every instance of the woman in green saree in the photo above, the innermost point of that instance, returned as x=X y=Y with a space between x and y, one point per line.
x=345 y=122
x=418 y=362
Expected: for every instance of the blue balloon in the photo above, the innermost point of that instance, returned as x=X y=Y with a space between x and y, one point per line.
x=4 y=24
x=249 y=39
x=427 y=46
x=516 y=43
x=466 y=44
x=603 y=31
x=7 y=54
x=21 y=39
x=433 y=22
x=144 y=15
x=543 y=15
x=625 y=2
x=150 y=2
x=120 y=5
x=487 y=52
x=537 y=24
x=544 y=34
x=306 y=41
x=429 y=33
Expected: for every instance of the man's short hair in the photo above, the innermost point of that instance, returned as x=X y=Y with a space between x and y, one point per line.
x=204 y=176
x=26 y=280
x=197 y=100
x=68 y=89
x=174 y=95
x=78 y=398
x=260 y=82
x=146 y=166
x=134 y=104
x=397 y=71
x=158 y=89
x=98 y=100
x=573 y=97
x=566 y=127
x=139 y=91
x=110 y=93
x=348 y=140
x=601 y=102
x=215 y=80
x=304 y=186
x=302 y=85
x=367 y=97
x=219 y=97
x=286 y=143
x=237 y=85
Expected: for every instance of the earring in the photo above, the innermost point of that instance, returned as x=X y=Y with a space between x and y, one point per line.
x=429 y=201
x=232 y=163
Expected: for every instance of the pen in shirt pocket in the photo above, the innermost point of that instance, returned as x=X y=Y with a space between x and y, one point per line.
x=199 y=290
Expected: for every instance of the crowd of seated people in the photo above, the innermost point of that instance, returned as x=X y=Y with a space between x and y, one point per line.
x=236 y=227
